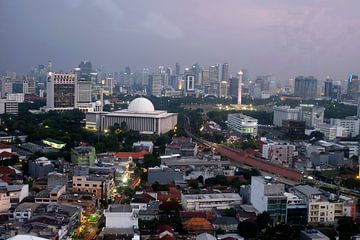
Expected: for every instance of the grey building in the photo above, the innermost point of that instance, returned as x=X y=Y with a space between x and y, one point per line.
x=54 y=179
x=164 y=175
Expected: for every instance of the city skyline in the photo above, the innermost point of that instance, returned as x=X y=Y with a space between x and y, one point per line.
x=279 y=38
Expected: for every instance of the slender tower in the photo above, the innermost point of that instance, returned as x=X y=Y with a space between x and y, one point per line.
x=240 y=76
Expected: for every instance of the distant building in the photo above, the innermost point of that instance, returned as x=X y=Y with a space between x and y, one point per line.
x=332 y=90
x=243 y=124
x=284 y=113
x=331 y=131
x=143 y=145
x=268 y=195
x=306 y=87
x=60 y=93
x=155 y=84
x=353 y=87
x=223 y=89
x=183 y=146
x=293 y=129
x=83 y=155
x=279 y=153
x=9 y=106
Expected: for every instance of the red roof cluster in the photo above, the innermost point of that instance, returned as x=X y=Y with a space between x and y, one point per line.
x=133 y=155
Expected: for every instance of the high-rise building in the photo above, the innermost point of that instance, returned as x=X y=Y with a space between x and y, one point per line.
x=177 y=69
x=85 y=70
x=332 y=90
x=312 y=115
x=225 y=72
x=145 y=77
x=155 y=84
x=205 y=77
x=358 y=108
x=223 y=89
x=353 y=87
x=190 y=82
x=305 y=87
x=214 y=74
x=233 y=87
x=60 y=91
x=239 y=87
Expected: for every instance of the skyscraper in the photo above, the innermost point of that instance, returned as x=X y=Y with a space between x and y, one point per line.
x=225 y=72
x=233 y=87
x=190 y=82
x=177 y=69
x=214 y=79
x=358 y=108
x=223 y=89
x=332 y=90
x=306 y=87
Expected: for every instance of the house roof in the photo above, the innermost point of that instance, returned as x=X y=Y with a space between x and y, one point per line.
x=225 y=221
x=205 y=236
x=133 y=155
x=197 y=224
x=144 y=198
x=6 y=154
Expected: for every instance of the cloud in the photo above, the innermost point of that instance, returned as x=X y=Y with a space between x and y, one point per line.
x=161 y=26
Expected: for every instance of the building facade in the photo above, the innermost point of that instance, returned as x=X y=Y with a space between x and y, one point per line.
x=284 y=113
x=243 y=124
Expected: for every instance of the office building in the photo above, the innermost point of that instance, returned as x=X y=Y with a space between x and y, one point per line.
x=60 y=91
x=311 y=114
x=305 y=87
x=233 y=87
x=177 y=69
x=140 y=116
x=85 y=70
x=209 y=201
x=268 y=195
x=155 y=84
x=243 y=124
x=331 y=131
x=225 y=72
x=282 y=113
x=350 y=124
x=9 y=106
x=205 y=77
x=358 y=108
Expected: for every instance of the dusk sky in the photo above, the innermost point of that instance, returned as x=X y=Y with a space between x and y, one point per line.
x=284 y=38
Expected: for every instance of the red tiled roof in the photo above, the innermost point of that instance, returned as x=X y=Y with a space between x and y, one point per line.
x=134 y=155
x=163 y=228
x=197 y=224
x=4 y=145
x=6 y=154
x=7 y=171
x=144 y=198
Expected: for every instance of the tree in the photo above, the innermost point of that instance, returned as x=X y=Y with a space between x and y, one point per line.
x=247 y=229
x=347 y=227
x=151 y=161
x=264 y=220
x=316 y=136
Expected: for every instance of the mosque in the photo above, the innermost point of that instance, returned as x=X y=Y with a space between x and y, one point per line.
x=140 y=116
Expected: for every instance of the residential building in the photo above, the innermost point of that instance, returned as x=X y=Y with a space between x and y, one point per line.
x=243 y=124
x=208 y=201
x=87 y=201
x=323 y=209
x=121 y=216
x=279 y=153
x=328 y=154
x=306 y=87
x=268 y=195
x=55 y=178
x=100 y=185
x=83 y=155
x=140 y=116
x=284 y=113
x=350 y=124
x=50 y=196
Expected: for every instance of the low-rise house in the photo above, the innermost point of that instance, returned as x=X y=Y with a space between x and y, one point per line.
x=183 y=146
x=24 y=211
x=141 y=202
x=226 y=224
x=16 y=192
x=198 y=225
x=164 y=175
x=50 y=196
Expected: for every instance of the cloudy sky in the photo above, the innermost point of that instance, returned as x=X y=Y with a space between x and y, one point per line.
x=280 y=37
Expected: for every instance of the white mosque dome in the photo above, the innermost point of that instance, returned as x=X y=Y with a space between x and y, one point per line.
x=141 y=105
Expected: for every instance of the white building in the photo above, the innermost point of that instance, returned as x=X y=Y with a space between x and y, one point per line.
x=284 y=113
x=351 y=125
x=331 y=131
x=243 y=124
x=17 y=97
x=268 y=195
x=9 y=106
x=311 y=114
x=209 y=201
x=121 y=216
x=140 y=116
x=353 y=147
